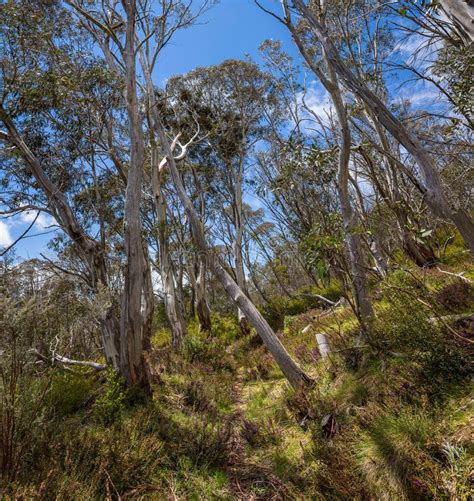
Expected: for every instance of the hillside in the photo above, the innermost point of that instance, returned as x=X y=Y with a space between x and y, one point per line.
x=393 y=421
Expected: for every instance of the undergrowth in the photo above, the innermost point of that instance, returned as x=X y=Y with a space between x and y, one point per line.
x=389 y=420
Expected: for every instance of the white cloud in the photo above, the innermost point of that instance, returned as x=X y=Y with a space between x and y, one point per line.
x=409 y=45
x=5 y=237
x=44 y=220
x=418 y=50
x=426 y=97
x=316 y=102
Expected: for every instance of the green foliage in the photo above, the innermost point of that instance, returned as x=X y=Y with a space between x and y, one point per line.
x=194 y=347
x=211 y=350
x=322 y=243
x=110 y=405
x=408 y=326
x=279 y=307
x=214 y=433
x=457 y=475
x=69 y=391
x=225 y=327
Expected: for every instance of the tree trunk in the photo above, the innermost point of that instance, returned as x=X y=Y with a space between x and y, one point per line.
x=110 y=331
x=363 y=305
x=461 y=15
x=89 y=250
x=237 y=247
x=295 y=375
x=350 y=218
x=173 y=305
x=132 y=361
x=148 y=300
x=435 y=196
x=323 y=345
x=202 y=308
x=377 y=252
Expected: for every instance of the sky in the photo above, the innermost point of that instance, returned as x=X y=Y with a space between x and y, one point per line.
x=230 y=30
x=233 y=29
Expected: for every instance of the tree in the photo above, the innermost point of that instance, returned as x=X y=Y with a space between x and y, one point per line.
x=434 y=192
x=35 y=96
x=229 y=101
x=461 y=15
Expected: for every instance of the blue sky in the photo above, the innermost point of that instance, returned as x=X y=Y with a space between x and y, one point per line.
x=232 y=29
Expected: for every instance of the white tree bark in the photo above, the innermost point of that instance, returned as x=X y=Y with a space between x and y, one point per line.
x=435 y=195
x=173 y=306
x=132 y=361
x=202 y=307
x=323 y=345
x=90 y=251
x=292 y=371
x=350 y=218
x=237 y=246
x=461 y=15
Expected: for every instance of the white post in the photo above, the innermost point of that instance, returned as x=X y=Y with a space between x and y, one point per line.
x=323 y=345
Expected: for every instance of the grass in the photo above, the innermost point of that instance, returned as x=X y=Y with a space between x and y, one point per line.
x=224 y=424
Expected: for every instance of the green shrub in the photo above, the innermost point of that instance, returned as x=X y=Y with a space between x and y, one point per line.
x=69 y=391
x=332 y=291
x=194 y=347
x=305 y=299
x=274 y=312
x=110 y=405
x=225 y=327
x=407 y=326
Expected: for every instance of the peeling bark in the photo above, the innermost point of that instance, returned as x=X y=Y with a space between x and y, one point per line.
x=461 y=15
x=132 y=361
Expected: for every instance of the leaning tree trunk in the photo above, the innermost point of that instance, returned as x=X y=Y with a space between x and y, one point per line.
x=421 y=254
x=89 y=250
x=363 y=305
x=292 y=371
x=461 y=15
x=435 y=194
x=237 y=248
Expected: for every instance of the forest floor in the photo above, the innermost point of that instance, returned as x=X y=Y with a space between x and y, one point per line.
x=393 y=420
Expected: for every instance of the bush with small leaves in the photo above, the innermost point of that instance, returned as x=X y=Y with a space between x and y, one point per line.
x=110 y=405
